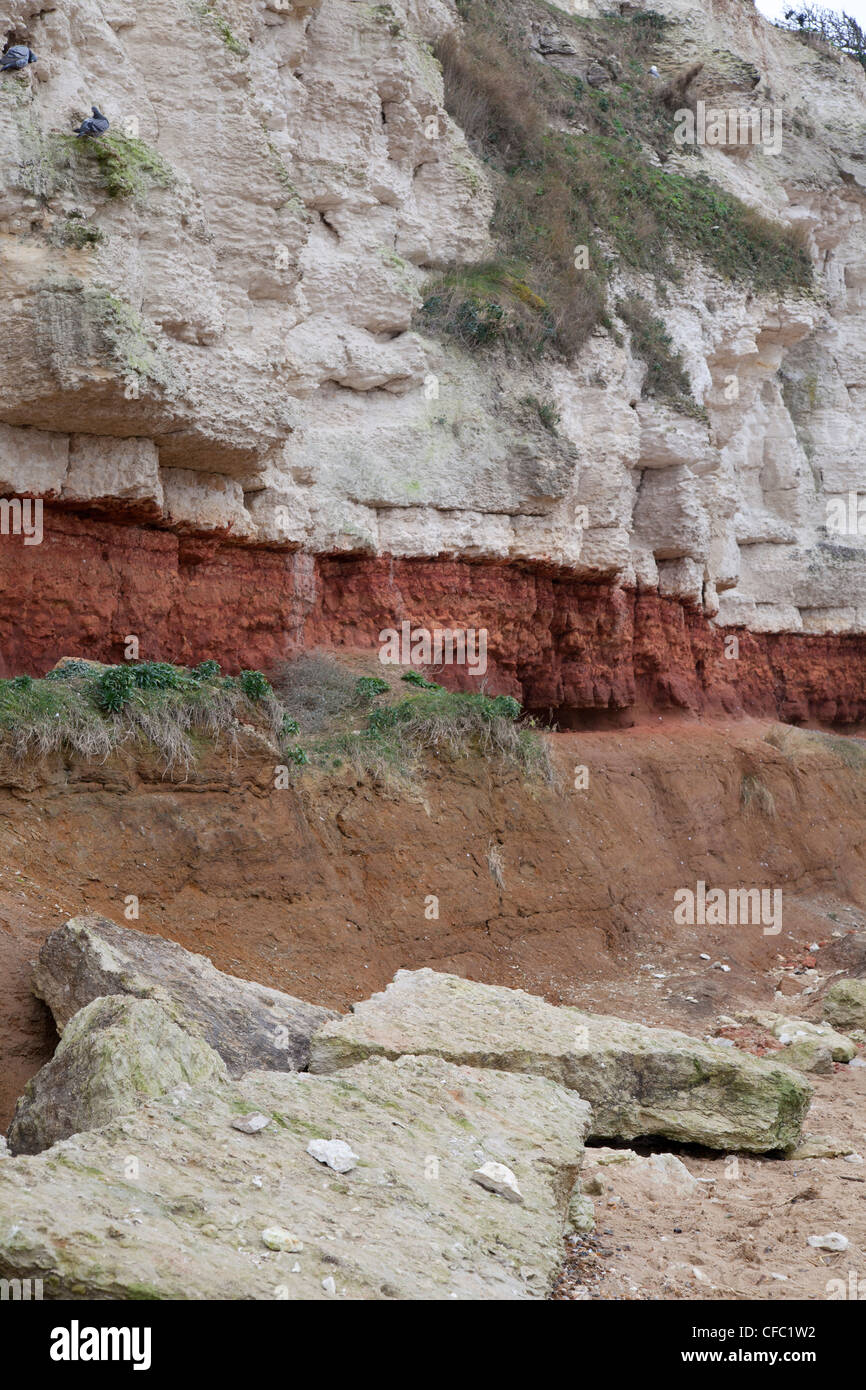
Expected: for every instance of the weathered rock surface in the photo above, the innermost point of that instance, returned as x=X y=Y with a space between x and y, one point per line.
x=407 y=1222
x=638 y=1080
x=845 y=1004
x=230 y=348
x=114 y=1053
x=806 y=1046
x=249 y=1025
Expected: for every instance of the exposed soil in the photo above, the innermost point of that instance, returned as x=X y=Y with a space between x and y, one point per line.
x=322 y=889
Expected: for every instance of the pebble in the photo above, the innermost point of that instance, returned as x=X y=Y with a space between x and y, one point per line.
x=831 y=1241
x=495 y=1177
x=278 y=1238
x=335 y=1153
x=250 y=1124
x=328 y=1284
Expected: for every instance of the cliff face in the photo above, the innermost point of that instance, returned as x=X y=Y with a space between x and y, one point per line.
x=214 y=374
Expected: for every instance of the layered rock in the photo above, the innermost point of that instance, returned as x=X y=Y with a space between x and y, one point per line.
x=582 y=651
x=247 y=1024
x=214 y=336
x=638 y=1080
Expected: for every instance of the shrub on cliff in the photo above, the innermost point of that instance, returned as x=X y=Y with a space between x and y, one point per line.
x=92 y=711
x=581 y=183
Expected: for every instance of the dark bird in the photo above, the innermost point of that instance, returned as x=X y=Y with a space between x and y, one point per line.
x=16 y=57
x=94 y=125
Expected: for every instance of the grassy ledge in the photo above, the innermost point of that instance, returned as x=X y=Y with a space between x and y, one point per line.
x=310 y=714
x=576 y=166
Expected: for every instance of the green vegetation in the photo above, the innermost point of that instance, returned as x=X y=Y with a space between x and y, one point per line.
x=666 y=378
x=220 y=24
x=74 y=231
x=124 y=166
x=384 y=14
x=94 y=711
x=367 y=687
x=371 y=726
x=127 y=336
x=823 y=28
x=127 y=166
x=445 y=724
x=581 y=185
x=545 y=410
x=791 y=741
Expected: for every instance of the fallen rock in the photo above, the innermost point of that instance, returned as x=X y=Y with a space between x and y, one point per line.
x=581 y=1214
x=655 y=1177
x=833 y=1240
x=278 y=1238
x=250 y=1124
x=410 y=1224
x=249 y=1025
x=114 y=1053
x=845 y=1004
x=638 y=1080
x=803 y=1039
x=335 y=1153
x=495 y=1177
x=809 y=1055
x=820 y=1146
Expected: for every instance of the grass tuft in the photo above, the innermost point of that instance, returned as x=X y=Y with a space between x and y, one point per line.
x=93 y=713
x=755 y=796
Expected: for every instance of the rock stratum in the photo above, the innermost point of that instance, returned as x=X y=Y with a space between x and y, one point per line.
x=216 y=378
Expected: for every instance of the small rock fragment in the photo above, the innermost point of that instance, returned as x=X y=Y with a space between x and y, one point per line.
x=495 y=1177
x=278 y=1238
x=820 y=1146
x=336 y=1153
x=831 y=1241
x=328 y=1284
x=250 y=1124
x=581 y=1214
